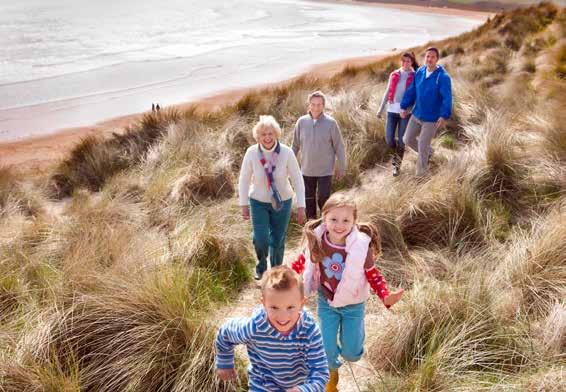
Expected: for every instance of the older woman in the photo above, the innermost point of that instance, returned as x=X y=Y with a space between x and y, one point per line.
x=265 y=189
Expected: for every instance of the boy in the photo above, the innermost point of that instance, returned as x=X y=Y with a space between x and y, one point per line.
x=283 y=340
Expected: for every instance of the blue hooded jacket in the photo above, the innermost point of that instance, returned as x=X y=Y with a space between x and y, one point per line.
x=432 y=96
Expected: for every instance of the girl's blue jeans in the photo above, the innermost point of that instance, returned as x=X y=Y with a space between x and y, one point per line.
x=343 y=332
x=269 y=232
x=395 y=125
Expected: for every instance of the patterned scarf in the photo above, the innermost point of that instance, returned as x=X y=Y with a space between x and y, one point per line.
x=269 y=167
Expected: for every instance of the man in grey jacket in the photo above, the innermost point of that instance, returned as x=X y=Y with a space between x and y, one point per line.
x=317 y=142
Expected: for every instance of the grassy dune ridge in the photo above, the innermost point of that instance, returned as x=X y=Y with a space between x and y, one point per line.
x=113 y=266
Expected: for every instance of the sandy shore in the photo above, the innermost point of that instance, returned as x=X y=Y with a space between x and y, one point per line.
x=37 y=154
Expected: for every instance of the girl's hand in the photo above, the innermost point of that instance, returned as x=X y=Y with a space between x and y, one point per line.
x=245 y=212
x=226 y=374
x=393 y=298
x=301 y=215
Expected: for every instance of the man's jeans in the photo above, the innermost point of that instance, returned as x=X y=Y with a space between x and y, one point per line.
x=311 y=183
x=269 y=232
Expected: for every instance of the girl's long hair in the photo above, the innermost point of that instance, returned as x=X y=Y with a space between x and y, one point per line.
x=335 y=201
x=413 y=58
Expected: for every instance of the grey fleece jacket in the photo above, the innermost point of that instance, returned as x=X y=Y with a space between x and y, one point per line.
x=318 y=145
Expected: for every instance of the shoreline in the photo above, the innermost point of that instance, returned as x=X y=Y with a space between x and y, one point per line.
x=38 y=153
x=416 y=7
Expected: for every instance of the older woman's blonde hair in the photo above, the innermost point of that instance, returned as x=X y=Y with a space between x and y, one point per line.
x=266 y=121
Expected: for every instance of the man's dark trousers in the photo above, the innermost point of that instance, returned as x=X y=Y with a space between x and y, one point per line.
x=323 y=184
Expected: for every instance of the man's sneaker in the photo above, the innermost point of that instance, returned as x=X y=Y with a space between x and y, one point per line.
x=258 y=276
x=396 y=171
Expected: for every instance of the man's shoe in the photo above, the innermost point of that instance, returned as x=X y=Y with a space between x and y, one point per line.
x=258 y=276
x=396 y=171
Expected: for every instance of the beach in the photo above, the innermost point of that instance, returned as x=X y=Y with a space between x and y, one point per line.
x=38 y=132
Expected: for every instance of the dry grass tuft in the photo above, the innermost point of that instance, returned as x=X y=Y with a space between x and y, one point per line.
x=444 y=332
x=546 y=380
x=142 y=336
x=94 y=161
x=14 y=198
x=215 y=241
x=535 y=268
x=198 y=187
x=15 y=377
x=553 y=332
x=502 y=167
x=448 y=216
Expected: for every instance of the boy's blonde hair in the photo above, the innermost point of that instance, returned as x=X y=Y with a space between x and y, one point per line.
x=337 y=200
x=281 y=278
x=266 y=121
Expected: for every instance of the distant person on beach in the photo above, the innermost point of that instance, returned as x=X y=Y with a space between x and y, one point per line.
x=283 y=340
x=153 y=107
x=399 y=81
x=431 y=93
x=157 y=107
x=267 y=168
x=318 y=142
x=338 y=264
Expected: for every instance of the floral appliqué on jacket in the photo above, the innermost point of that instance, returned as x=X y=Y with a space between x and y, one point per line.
x=334 y=266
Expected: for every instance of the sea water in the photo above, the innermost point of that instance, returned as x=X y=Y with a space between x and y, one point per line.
x=67 y=63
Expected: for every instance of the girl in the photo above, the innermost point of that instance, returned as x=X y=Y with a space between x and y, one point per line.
x=338 y=263
x=399 y=82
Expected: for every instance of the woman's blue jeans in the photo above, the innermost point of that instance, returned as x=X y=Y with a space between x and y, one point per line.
x=269 y=232
x=342 y=331
x=396 y=125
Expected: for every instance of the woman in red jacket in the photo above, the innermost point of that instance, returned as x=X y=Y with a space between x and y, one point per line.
x=399 y=81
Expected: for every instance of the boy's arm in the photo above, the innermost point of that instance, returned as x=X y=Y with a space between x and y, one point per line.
x=317 y=363
x=231 y=333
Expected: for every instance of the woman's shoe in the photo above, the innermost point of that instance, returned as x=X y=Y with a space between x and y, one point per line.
x=332 y=385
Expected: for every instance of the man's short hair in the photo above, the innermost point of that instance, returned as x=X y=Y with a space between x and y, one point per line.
x=433 y=49
x=282 y=278
x=317 y=94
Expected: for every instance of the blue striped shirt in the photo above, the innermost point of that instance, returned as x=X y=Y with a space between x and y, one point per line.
x=277 y=362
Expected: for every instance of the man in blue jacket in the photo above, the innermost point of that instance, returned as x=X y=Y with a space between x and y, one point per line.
x=431 y=93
